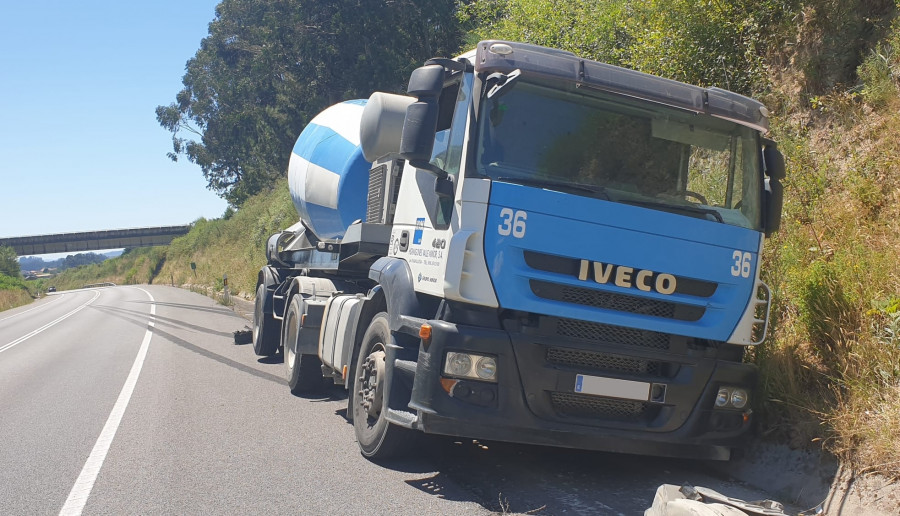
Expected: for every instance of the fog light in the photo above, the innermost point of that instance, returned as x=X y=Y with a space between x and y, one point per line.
x=458 y=364
x=738 y=398
x=486 y=368
x=722 y=397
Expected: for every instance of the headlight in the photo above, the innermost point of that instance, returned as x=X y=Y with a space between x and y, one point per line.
x=732 y=397
x=458 y=364
x=722 y=397
x=486 y=368
x=472 y=366
x=738 y=398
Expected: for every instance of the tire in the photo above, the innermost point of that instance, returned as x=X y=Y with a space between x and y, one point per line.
x=304 y=372
x=376 y=436
x=265 y=327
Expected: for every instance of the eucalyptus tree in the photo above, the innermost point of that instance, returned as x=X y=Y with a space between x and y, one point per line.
x=268 y=66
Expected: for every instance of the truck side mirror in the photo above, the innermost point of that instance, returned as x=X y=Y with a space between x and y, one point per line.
x=420 y=125
x=773 y=160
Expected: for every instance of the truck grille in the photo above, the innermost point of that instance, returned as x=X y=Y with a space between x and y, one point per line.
x=611 y=334
x=603 y=361
x=587 y=406
x=375 y=199
x=617 y=302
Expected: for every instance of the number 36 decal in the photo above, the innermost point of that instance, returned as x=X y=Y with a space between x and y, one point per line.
x=512 y=223
x=741 y=265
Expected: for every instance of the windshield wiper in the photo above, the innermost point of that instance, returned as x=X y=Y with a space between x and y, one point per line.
x=562 y=186
x=675 y=208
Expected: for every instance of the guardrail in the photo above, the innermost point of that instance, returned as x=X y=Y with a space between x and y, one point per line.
x=95 y=285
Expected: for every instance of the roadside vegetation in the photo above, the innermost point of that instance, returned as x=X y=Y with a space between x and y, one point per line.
x=233 y=245
x=13 y=290
x=829 y=72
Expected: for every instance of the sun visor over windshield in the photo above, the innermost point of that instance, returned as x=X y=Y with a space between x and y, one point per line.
x=540 y=62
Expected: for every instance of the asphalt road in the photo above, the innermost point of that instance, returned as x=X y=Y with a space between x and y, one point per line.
x=135 y=400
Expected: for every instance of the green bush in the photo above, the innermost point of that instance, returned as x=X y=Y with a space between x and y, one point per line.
x=880 y=71
x=12 y=282
x=713 y=44
x=878 y=77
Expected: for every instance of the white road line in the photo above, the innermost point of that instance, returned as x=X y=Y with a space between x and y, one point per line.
x=30 y=309
x=80 y=492
x=48 y=325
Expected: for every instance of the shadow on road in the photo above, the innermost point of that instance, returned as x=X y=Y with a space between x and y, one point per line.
x=274 y=359
x=165 y=321
x=130 y=316
x=218 y=358
x=219 y=310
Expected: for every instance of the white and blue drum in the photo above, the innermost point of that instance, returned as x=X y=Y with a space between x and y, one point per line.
x=328 y=174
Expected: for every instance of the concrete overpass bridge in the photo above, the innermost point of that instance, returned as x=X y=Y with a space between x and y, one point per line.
x=94 y=240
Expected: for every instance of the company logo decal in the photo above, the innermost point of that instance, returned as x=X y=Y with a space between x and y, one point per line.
x=627 y=277
x=417 y=235
x=427 y=279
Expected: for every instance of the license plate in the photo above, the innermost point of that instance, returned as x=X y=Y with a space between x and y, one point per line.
x=612 y=387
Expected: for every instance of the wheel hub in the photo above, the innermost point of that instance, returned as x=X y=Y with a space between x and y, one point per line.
x=372 y=384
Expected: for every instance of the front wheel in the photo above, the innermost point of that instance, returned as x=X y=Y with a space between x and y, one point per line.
x=304 y=372
x=265 y=327
x=377 y=437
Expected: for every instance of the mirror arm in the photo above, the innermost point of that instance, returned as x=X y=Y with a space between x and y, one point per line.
x=502 y=82
x=425 y=165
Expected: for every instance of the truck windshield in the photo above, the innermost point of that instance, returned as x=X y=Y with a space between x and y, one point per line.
x=624 y=151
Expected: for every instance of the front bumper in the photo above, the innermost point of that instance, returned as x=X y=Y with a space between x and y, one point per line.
x=534 y=400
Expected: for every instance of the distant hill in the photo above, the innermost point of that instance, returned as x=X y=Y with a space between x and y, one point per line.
x=36 y=263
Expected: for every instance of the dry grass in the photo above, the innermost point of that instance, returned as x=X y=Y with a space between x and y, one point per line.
x=831 y=369
x=12 y=298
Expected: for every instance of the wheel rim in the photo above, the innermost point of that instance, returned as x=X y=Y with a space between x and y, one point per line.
x=372 y=383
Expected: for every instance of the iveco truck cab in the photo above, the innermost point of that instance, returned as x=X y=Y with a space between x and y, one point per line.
x=539 y=248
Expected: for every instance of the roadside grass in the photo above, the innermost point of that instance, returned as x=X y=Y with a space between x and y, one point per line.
x=14 y=291
x=13 y=297
x=831 y=369
x=134 y=266
x=233 y=245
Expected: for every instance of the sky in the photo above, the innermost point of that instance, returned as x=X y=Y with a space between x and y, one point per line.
x=80 y=147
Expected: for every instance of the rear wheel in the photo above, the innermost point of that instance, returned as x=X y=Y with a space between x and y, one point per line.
x=377 y=437
x=304 y=372
x=265 y=327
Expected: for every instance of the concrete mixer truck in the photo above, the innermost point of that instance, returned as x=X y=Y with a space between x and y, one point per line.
x=529 y=247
